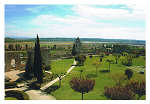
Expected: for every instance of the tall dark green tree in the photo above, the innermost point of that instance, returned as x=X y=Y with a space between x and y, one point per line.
x=76 y=47
x=73 y=50
x=37 y=67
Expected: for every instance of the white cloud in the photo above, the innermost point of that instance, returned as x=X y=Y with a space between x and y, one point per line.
x=76 y=26
x=35 y=9
x=109 y=14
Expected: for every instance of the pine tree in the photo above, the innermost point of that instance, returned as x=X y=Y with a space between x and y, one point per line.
x=38 y=73
x=73 y=50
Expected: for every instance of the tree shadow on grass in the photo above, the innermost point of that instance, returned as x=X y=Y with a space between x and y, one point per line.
x=51 y=89
x=91 y=76
x=104 y=71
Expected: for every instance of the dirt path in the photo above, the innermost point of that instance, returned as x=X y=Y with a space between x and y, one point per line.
x=38 y=95
x=57 y=79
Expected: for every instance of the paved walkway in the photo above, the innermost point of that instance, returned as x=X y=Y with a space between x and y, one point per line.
x=57 y=79
x=137 y=68
x=38 y=95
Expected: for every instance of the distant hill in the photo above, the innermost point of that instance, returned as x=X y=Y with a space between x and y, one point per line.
x=125 y=41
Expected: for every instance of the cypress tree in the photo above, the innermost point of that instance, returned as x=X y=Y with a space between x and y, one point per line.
x=73 y=50
x=76 y=47
x=38 y=73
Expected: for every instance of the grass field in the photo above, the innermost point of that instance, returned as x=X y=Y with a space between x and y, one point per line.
x=102 y=80
x=62 y=65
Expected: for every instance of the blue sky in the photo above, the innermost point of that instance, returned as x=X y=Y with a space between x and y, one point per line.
x=117 y=21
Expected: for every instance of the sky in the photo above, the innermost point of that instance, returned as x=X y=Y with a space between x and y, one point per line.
x=109 y=21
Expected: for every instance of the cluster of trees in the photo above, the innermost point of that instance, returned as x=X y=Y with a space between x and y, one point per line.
x=126 y=92
x=16 y=47
x=126 y=59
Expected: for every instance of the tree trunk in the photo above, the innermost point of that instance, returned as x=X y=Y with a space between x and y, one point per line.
x=109 y=66
x=59 y=82
x=96 y=71
x=82 y=95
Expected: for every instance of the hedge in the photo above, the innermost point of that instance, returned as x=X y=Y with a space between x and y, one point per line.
x=20 y=95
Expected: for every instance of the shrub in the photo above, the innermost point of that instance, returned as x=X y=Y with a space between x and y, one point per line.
x=10 y=84
x=20 y=95
x=81 y=59
x=104 y=71
x=82 y=85
x=35 y=85
x=126 y=60
x=90 y=56
x=118 y=93
x=128 y=73
x=51 y=89
x=137 y=87
x=47 y=67
x=100 y=59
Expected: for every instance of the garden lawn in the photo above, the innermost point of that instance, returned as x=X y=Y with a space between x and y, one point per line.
x=103 y=79
x=10 y=98
x=61 y=66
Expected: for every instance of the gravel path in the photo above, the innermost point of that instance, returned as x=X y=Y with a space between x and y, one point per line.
x=38 y=95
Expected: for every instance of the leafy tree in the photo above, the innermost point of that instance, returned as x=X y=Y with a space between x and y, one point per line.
x=26 y=46
x=54 y=47
x=96 y=64
x=101 y=57
x=38 y=73
x=82 y=85
x=117 y=48
x=128 y=73
x=137 y=87
x=117 y=56
x=60 y=76
x=81 y=71
x=126 y=60
x=18 y=47
x=81 y=59
x=110 y=61
x=119 y=93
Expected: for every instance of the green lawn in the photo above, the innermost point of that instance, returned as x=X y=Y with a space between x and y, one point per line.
x=102 y=80
x=62 y=65
x=10 y=98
